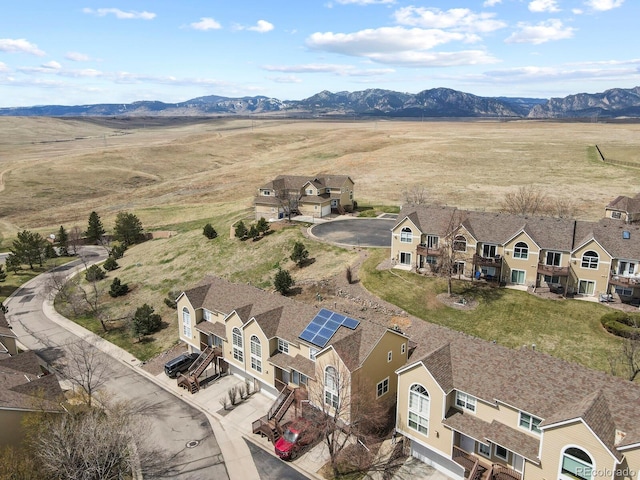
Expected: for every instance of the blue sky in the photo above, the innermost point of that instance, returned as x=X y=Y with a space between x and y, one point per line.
x=71 y=52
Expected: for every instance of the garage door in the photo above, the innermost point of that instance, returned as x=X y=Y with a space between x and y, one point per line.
x=437 y=461
x=326 y=210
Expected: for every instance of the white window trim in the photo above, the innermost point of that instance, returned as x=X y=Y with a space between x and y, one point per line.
x=384 y=386
x=406 y=235
x=590 y=261
x=467 y=400
x=524 y=251
x=237 y=342
x=331 y=396
x=562 y=455
x=495 y=452
x=488 y=445
x=312 y=353
x=420 y=415
x=403 y=348
x=186 y=322
x=530 y=428
x=256 y=353
x=389 y=356
x=283 y=346
x=524 y=279
x=206 y=314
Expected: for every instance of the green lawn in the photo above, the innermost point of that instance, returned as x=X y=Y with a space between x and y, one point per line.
x=569 y=329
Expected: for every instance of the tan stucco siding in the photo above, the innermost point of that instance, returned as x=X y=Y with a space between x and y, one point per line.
x=377 y=368
x=518 y=260
x=267 y=212
x=439 y=437
x=600 y=275
x=234 y=321
x=267 y=374
x=629 y=469
x=316 y=389
x=407 y=247
x=313 y=209
x=193 y=340
x=556 y=440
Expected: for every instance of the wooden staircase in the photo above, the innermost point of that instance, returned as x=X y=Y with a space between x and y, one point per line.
x=269 y=424
x=190 y=380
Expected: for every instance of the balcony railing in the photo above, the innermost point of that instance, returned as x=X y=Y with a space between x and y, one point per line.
x=424 y=250
x=481 y=261
x=500 y=472
x=624 y=281
x=553 y=270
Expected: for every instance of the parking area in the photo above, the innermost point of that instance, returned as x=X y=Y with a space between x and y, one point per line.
x=356 y=232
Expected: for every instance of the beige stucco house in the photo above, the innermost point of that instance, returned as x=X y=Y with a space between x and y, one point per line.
x=624 y=208
x=474 y=409
x=587 y=259
x=277 y=342
x=310 y=196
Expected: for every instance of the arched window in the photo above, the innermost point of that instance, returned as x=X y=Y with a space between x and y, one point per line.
x=331 y=386
x=460 y=244
x=576 y=464
x=419 y=408
x=521 y=250
x=406 y=235
x=590 y=259
x=256 y=354
x=186 y=322
x=237 y=344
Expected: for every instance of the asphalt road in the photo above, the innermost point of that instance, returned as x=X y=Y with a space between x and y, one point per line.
x=358 y=232
x=173 y=423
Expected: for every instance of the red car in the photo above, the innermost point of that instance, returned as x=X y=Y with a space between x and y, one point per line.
x=297 y=436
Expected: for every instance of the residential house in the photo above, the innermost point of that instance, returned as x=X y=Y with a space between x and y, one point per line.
x=25 y=387
x=575 y=257
x=311 y=196
x=8 y=339
x=279 y=343
x=474 y=409
x=624 y=208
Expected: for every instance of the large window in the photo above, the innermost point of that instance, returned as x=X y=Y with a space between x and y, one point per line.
x=554 y=259
x=406 y=235
x=466 y=401
x=590 y=260
x=460 y=244
x=283 y=346
x=518 y=276
x=529 y=422
x=298 y=378
x=521 y=250
x=405 y=258
x=419 y=409
x=501 y=452
x=576 y=464
x=186 y=322
x=331 y=385
x=489 y=251
x=236 y=335
x=256 y=354
x=432 y=241
x=626 y=268
x=382 y=387
x=586 y=287
x=206 y=315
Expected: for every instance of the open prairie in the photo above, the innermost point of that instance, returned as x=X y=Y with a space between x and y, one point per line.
x=168 y=171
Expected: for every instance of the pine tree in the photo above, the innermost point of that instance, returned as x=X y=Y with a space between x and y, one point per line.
x=263 y=226
x=63 y=242
x=95 y=230
x=110 y=264
x=118 y=288
x=145 y=321
x=3 y=274
x=209 y=232
x=241 y=230
x=300 y=254
x=128 y=228
x=283 y=281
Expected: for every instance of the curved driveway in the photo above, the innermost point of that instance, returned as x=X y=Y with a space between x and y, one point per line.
x=357 y=232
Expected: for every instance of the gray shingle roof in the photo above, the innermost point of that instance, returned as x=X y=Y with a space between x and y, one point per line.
x=296 y=182
x=282 y=317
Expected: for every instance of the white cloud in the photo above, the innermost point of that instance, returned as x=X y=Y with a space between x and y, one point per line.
x=343 y=70
x=120 y=14
x=542 y=32
x=457 y=19
x=603 y=5
x=77 y=57
x=364 y=2
x=491 y=3
x=19 y=45
x=3 y=67
x=262 y=26
x=286 y=79
x=206 y=23
x=543 y=6
x=53 y=65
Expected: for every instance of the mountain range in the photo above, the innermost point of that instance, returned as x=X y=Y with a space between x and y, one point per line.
x=615 y=103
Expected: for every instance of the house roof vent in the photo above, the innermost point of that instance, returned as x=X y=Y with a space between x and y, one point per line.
x=626 y=234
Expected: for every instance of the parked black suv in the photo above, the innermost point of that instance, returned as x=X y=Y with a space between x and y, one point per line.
x=179 y=364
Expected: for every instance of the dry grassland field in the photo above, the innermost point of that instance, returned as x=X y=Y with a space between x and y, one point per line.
x=178 y=174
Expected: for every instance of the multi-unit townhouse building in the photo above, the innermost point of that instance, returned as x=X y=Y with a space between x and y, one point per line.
x=575 y=257
x=474 y=409
x=279 y=343
x=310 y=196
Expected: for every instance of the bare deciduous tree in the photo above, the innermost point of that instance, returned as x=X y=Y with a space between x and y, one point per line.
x=527 y=200
x=563 y=208
x=86 y=367
x=288 y=199
x=75 y=240
x=453 y=247
x=415 y=195
x=347 y=415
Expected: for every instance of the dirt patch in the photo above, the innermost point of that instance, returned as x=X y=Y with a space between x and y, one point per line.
x=155 y=365
x=458 y=302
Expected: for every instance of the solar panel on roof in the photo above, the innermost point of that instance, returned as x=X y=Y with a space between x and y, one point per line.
x=324 y=326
